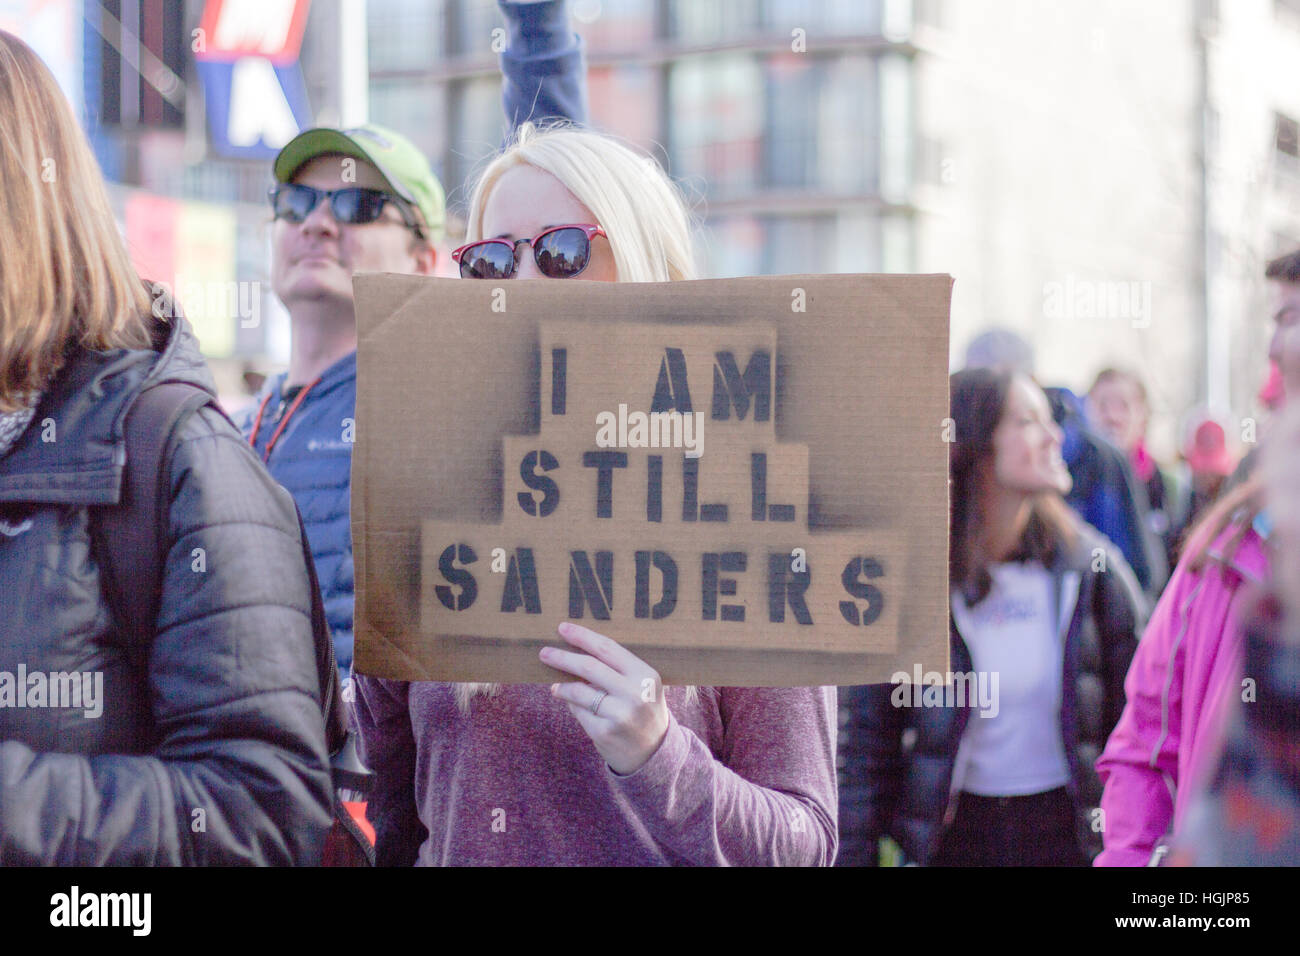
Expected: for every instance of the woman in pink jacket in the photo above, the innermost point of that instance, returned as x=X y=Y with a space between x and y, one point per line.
x=1186 y=672
x=1188 y=668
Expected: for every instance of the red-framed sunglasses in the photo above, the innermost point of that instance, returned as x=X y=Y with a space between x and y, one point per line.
x=561 y=252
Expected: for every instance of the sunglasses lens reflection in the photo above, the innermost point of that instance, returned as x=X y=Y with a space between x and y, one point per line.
x=563 y=253
x=358 y=206
x=488 y=260
x=355 y=206
x=294 y=202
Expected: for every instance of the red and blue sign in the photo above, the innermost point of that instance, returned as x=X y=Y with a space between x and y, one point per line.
x=246 y=52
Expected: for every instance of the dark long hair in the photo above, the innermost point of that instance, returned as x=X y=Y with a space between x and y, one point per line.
x=1236 y=510
x=979 y=398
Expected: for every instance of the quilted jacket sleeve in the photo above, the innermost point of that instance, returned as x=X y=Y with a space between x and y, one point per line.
x=238 y=771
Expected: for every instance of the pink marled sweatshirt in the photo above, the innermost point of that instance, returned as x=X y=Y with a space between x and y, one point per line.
x=744 y=776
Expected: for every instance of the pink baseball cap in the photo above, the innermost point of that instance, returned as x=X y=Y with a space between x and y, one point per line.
x=1207 y=450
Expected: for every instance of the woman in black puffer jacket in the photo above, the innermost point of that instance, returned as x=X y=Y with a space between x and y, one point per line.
x=209 y=746
x=1045 y=614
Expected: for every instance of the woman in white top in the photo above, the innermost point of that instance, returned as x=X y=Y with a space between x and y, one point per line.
x=1045 y=615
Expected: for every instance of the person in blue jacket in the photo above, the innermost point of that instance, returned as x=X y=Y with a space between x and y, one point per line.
x=1105 y=492
x=365 y=199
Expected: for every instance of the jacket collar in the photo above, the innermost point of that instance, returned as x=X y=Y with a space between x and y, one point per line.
x=1249 y=557
x=338 y=375
x=73 y=451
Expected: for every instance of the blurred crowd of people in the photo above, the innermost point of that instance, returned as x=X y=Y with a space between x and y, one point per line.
x=1170 y=718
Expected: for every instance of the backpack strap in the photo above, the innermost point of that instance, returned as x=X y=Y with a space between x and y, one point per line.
x=132 y=534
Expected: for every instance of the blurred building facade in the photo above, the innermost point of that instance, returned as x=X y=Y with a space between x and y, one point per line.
x=1110 y=179
x=772 y=114
x=1107 y=178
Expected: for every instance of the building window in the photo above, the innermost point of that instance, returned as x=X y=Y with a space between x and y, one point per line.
x=897 y=110
x=404 y=36
x=799 y=244
x=614 y=24
x=744 y=245
x=474 y=21
x=716 y=116
x=822 y=119
x=730 y=246
x=848 y=126
x=712 y=22
x=624 y=100
x=478 y=131
x=790 y=143
x=789 y=122
x=861 y=17
x=414 y=108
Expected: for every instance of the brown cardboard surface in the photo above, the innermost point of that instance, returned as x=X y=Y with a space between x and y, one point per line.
x=459 y=395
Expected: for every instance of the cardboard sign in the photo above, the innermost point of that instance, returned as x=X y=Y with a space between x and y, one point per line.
x=742 y=481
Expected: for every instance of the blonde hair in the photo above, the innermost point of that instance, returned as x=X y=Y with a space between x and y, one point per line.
x=65 y=275
x=643 y=214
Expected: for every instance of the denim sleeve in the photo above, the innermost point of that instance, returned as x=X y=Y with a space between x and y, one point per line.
x=543 y=66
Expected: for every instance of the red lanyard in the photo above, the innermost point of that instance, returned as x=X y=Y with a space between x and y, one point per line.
x=275 y=435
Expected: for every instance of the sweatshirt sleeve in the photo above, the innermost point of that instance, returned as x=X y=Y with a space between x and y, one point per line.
x=383 y=722
x=1139 y=766
x=768 y=800
x=543 y=67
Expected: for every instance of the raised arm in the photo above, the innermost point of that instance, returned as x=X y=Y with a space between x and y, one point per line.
x=543 y=66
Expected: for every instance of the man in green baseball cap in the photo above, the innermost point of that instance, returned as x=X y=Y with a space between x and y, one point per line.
x=400 y=164
x=365 y=200
x=346 y=201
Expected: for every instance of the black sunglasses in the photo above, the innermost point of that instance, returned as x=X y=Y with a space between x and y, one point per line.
x=353 y=206
x=561 y=252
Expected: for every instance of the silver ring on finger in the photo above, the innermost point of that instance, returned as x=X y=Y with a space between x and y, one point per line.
x=600 y=699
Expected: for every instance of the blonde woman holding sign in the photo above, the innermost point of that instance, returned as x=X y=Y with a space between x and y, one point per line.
x=608 y=767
